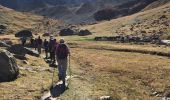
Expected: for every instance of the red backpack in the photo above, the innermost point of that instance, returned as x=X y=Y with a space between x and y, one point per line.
x=62 y=51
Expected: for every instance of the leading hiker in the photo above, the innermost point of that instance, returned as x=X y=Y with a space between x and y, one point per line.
x=62 y=53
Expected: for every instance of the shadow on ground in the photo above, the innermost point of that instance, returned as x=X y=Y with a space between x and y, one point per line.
x=56 y=91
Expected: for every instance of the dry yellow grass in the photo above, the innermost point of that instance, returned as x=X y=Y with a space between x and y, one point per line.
x=128 y=76
x=96 y=69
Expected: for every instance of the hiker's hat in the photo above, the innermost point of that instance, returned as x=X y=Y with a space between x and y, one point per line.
x=62 y=40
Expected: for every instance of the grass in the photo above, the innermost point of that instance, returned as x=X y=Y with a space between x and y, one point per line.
x=129 y=75
x=122 y=71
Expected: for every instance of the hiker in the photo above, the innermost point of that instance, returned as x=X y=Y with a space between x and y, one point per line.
x=23 y=40
x=35 y=43
x=46 y=48
x=50 y=46
x=32 y=42
x=53 y=49
x=39 y=41
x=62 y=52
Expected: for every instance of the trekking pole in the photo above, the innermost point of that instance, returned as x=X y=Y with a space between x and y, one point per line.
x=52 y=79
x=69 y=68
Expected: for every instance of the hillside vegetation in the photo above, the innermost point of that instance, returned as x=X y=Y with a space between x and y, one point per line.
x=15 y=21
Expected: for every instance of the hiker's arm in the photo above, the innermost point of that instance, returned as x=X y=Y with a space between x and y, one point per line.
x=68 y=49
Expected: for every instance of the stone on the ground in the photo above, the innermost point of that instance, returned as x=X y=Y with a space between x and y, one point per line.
x=84 y=33
x=17 y=49
x=24 y=33
x=105 y=98
x=66 y=32
x=31 y=52
x=25 y=62
x=4 y=44
x=2 y=29
x=9 y=69
x=46 y=34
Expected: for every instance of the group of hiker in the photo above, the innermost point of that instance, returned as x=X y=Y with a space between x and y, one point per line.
x=59 y=52
x=55 y=51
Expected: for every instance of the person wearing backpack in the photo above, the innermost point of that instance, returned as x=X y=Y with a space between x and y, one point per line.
x=23 y=40
x=39 y=41
x=46 y=47
x=62 y=53
x=53 y=49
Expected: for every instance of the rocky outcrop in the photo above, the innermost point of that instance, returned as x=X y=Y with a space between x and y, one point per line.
x=9 y=69
x=4 y=44
x=66 y=32
x=24 y=33
x=84 y=33
x=2 y=29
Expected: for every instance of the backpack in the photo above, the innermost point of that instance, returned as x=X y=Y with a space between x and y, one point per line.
x=62 y=51
x=40 y=41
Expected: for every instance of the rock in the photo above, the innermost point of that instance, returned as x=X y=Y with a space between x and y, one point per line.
x=25 y=62
x=9 y=69
x=24 y=33
x=17 y=49
x=21 y=51
x=3 y=44
x=21 y=57
x=163 y=17
x=46 y=34
x=84 y=33
x=31 y=52
x=66 y=32
x=2 y=29
x=105 y=98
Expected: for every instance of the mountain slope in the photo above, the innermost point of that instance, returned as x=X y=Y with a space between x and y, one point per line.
x=148 y=22
x=71 y=11
x=15 y=21
x=156 y=4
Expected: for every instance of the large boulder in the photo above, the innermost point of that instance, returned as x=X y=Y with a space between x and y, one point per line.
x=84 y=33
x=9 y=69
x=2 y=29
x=66 y=32
x=4 y=44
x=24 y=33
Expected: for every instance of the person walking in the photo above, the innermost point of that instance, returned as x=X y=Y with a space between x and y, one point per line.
x=53 y=49
x=23 y=40
x=32 y=42
x=35 y=43
x=50 y=46
x=39 y=41
x=46 y=47
x=62 y=52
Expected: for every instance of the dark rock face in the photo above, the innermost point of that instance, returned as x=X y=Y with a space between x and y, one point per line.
x=105 y=14
x=46 y=34
x=24 y=33
x=66 y=32
x=123 y=9
x=84 y=33
x=2 y=29
x=9 y=69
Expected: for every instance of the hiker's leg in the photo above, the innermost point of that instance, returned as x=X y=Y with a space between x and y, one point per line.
x=51 y=55
x=59 y=70
x=64 y=70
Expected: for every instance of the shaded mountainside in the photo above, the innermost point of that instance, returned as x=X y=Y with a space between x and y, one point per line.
x=123 y=9
x=72 y=11
x=82 y=11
